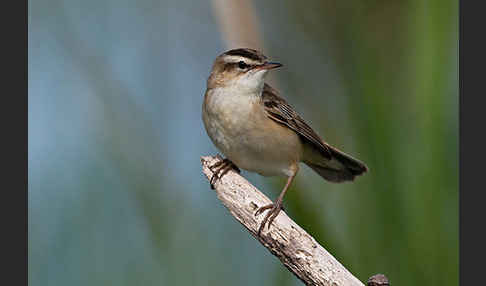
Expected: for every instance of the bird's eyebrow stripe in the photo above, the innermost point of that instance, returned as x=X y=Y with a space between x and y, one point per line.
x=236 y=59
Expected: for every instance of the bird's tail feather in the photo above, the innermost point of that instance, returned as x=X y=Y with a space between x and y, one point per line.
x=342 y=167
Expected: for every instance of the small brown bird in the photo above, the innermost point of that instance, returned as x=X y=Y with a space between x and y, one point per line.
x=260 y=132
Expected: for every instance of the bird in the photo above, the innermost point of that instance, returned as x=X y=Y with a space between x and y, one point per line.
x=258 y=131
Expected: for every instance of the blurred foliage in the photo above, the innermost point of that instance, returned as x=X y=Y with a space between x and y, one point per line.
x=116 y=196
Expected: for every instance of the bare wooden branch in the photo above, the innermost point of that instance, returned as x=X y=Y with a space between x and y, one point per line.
x=295 y=248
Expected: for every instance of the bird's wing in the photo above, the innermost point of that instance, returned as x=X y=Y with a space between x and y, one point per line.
x=280 y=111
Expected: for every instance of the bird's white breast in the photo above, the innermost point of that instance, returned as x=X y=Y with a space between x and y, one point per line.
x=239 y=127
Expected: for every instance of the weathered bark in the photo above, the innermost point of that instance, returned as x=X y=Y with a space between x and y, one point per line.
x=295 y=248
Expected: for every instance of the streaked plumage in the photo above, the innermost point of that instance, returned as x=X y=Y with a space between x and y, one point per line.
x=331 y=163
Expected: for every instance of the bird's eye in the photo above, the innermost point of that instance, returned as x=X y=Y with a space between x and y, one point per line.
x=242 y=65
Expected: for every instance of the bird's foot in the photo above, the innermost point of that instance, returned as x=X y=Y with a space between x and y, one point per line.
x=270 y=216
x=220 y=168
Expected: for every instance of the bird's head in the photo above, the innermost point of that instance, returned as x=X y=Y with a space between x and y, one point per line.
x=244 y=69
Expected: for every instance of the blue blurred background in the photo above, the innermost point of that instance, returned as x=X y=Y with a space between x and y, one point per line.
x=116 y=193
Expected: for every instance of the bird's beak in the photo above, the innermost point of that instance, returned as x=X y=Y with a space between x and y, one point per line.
x=269 y=66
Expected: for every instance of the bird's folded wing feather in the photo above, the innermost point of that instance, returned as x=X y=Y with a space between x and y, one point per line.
x=279 y=110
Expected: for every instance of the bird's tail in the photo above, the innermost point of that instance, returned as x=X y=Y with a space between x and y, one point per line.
x=342 y=167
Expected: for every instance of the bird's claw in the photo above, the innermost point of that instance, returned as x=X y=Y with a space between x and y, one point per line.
x=270 y=216
x=222 y=167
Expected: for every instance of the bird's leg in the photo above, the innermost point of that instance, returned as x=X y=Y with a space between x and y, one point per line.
x=220 y=168
x=274 y=208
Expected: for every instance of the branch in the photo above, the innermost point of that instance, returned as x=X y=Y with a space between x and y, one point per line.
x=295 y=248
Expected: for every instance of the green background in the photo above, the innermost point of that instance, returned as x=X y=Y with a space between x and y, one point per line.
x=116 y=193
